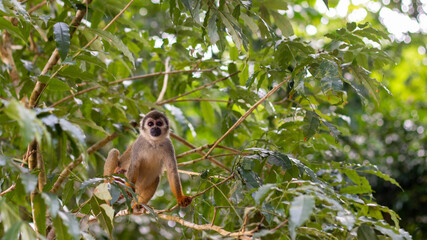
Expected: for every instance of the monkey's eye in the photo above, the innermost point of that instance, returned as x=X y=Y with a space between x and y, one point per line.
x=150 y=124
x=159 y=124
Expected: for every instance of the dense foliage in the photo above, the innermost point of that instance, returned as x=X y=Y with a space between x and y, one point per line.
x=270 y=113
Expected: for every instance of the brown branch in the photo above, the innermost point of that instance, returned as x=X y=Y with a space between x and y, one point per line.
x=214 y=185
x=129 y=79
x=10 y=189
x=199 y=100
x=198 y=174
x=37 y=7
x=218 y=229
x=207 y=227
x=203 y=158
x=6 y=56
x=213 y=160
x=165 y=81
x=242 y=118
x=64 y=174
x=197 y=89
x=53 y=60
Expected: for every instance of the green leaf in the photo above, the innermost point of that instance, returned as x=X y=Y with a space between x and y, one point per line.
x=329 y=76
x=61 y=32
x=383 y=176
x=312 y=124
x=13 y=231
x=262 y=192
x=60 y=229
x=300 y=210
x=71 y=223
x=365 y=232
x=212 y=29
x=52 y=202
x=103 y=216
x=351 y=26
x=14 y=31
x=57 y=85
x=101 y=191
x=283 y=24
x=280 y=159
x=27 y=120
x=39 y=209
x=73 y=130
x=115 y=41
x=29 y=181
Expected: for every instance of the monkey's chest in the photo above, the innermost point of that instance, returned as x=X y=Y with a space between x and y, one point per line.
x=151 y=166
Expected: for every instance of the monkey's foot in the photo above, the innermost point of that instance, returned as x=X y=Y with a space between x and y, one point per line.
x=185 y=201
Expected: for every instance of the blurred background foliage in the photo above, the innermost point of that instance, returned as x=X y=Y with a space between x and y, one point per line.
x=314 y=142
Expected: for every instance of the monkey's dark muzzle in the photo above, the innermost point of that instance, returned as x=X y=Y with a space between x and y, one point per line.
x=155 y=132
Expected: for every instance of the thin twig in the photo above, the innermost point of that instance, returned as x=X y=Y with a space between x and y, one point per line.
x=186 y=143
x=242 y=118
x=197 y=89
x=200 y=100
x=10 y=189
x=36 y=7
x=203 y=158
x=129 y=79
x=64 y=174
x=198 y=174
x=214 y=185
x=165 y=80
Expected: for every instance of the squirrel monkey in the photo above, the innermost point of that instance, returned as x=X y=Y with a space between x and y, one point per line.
x=144 y=159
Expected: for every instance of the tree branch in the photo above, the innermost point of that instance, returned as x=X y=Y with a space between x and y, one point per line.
x=197 y=89
x=165 y=81
x=129 y=79
x=213 y=160
x=242 y=118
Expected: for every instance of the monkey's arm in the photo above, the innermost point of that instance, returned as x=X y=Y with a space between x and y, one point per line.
x=134 y=165
x=173 y=177
x=112 y=162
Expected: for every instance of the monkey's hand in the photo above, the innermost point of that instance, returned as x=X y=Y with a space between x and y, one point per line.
x=185 y=201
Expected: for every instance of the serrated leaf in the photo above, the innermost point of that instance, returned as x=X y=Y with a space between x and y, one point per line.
x=351 y=26
x=365 y=232
x=115 y=41
x=312 y=124
x=102 y=192
x=61 y=31
x=283 y=24
x=300 y=210
x=329 y=76
x=383 y=176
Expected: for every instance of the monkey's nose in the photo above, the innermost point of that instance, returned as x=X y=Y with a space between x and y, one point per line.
x=155 y=131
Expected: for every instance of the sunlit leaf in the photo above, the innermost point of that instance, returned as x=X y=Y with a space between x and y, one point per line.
x=300 y=210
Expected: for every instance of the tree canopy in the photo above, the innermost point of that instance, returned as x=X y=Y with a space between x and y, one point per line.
x=283 y=121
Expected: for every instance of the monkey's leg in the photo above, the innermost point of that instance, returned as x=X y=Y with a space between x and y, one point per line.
x=146 y=193
x=112 y=162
